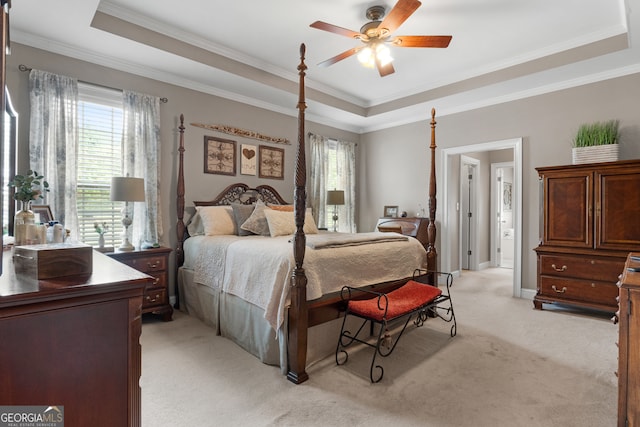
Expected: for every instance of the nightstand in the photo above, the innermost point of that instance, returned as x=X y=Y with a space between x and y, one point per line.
x=154 y=262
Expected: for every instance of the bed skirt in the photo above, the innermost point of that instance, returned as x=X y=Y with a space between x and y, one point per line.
x=244 y=324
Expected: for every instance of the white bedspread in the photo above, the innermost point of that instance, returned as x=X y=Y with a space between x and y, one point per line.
x=258 y=269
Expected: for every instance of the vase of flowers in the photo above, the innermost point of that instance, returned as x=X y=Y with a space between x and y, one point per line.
x=28 y=187
x=101 y=228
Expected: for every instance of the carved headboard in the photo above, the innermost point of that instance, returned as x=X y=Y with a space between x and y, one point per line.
x=242 y=193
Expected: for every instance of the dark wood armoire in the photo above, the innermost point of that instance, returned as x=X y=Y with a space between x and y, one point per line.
x=590 y=222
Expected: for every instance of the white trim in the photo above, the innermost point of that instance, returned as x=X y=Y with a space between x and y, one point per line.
x=516 y=145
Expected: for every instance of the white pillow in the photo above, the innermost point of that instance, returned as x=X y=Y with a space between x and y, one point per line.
x=217 y=220
x=282 y=223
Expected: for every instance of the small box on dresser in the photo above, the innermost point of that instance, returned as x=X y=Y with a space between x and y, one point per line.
x=154 y=262
x=51 y=260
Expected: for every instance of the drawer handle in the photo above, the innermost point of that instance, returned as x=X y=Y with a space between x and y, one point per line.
x=562 y=291
x=154 y=265
x=564 y=267
x=156 y=281
x=157 y=297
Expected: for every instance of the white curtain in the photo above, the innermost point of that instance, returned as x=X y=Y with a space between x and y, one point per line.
x=329 y=155
x=53 y=142
x=141 y=150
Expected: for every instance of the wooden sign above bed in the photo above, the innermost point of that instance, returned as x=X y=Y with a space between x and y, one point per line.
x=241 y=132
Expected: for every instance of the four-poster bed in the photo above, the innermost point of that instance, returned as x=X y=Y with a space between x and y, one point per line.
x=305 y=300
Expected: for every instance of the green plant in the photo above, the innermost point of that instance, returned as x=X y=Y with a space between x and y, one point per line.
x=29 y=187
x=599 y=133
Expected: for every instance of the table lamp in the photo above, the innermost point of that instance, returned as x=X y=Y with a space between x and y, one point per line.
x=126 y=189
x=335 y=198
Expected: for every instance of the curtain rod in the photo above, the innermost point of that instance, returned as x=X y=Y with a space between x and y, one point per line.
x=22 y=67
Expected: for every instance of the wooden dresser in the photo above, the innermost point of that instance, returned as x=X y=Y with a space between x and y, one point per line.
x=414 y=227
x=155 y=263
x=74 y=342
x=590 y=223
x=629 y=345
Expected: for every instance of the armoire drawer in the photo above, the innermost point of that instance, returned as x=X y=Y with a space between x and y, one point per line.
x=578 y=289
x=585 y=267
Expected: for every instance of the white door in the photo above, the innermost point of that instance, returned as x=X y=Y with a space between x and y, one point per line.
x=468 y=213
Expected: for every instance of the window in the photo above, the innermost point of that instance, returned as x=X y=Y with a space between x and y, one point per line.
x=100 y=122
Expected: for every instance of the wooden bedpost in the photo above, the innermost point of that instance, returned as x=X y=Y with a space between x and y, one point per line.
x=180 y=208
x=298 y=313
x=432 y=254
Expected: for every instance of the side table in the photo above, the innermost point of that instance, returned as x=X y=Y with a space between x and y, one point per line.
x=154 y=262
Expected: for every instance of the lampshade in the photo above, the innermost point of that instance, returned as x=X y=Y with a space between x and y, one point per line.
x=335 y=197
x=127 y=189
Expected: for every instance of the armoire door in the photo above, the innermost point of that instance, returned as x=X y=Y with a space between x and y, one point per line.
x=568 y=212
x=617 y=196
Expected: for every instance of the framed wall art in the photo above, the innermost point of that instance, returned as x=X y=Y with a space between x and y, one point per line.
x=248 y=159
x=271 y=162
x=219 y=156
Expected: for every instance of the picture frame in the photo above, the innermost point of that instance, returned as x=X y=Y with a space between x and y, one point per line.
x=43 y=212
x=219 y=156
x=390 y=212
x=248 y=159
x=271 y=162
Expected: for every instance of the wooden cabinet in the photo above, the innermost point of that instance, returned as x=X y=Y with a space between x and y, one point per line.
x=629 y=345
x=155 y=263
x=414 y=227
x=74 y=342
x=589 y=225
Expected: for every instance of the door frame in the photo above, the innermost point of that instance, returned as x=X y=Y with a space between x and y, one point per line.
x=447 y=235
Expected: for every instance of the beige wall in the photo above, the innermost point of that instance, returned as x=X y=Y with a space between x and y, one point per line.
x=546 y=123
x=393 y=163
x=196 y=107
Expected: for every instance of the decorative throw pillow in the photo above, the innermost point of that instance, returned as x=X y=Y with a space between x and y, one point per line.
x=195 y=227
x=283 y=208
x=282 y=223
x=241 y=213
x=217 y=220
x=257 y=222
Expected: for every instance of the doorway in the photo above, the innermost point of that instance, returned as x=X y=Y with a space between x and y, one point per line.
x=450 y=218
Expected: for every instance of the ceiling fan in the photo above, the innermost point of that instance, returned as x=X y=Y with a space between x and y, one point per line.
x=375 y=34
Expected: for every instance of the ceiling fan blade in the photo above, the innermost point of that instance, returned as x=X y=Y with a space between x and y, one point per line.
x=340 y=56
x=400 y=12
x=385 y=70
x=335 y=29
x=421 y=41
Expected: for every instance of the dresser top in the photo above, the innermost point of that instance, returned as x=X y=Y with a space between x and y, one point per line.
x=107 y=275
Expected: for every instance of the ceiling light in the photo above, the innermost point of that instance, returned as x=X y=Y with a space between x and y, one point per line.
x=373 y=52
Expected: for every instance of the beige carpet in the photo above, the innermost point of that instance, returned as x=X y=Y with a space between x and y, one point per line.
x=509 y=365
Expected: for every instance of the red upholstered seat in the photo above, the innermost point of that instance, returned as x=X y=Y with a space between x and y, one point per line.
x=401 y=301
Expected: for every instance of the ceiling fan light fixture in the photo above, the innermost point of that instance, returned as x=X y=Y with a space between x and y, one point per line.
x=366 y=57
x=383 y=53
x=375 y=52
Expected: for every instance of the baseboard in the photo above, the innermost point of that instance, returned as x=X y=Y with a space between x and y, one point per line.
x=527 y=293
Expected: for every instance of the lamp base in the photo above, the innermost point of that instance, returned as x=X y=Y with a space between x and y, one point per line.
x=126 y=246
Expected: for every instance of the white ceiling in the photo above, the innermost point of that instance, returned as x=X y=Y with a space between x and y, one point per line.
x=248 y=50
